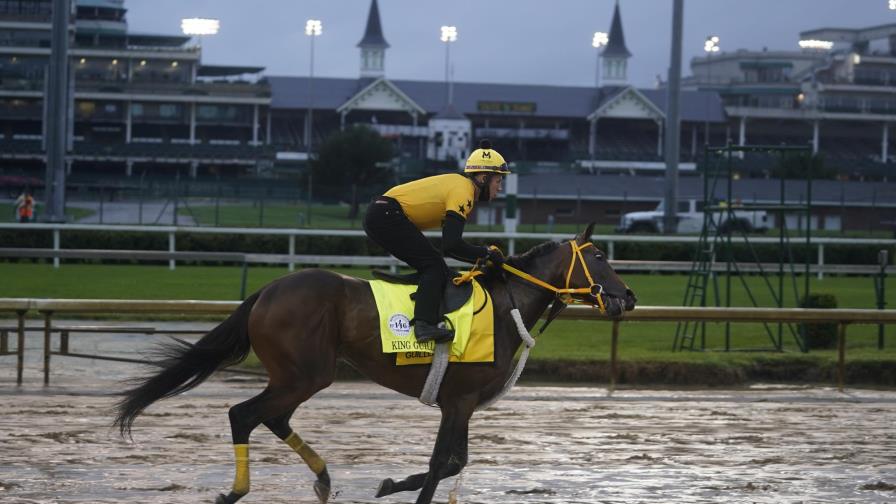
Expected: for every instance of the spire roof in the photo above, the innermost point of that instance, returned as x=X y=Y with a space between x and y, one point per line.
x=616 y=44
x=373 y=35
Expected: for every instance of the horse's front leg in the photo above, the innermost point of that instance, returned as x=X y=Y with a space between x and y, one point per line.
x=455 y=422
x=448 y=459
x=415 y=481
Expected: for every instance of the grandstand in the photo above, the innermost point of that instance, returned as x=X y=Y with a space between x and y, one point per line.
x=145 y=105
x=139 y=99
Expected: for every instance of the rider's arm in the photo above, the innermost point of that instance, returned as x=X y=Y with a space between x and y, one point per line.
x=453 y=244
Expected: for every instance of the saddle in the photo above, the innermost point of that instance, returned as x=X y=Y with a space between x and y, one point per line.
x=453 y=297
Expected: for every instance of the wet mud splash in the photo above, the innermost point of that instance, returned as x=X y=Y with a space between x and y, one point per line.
x=545 y=445
x=542 y=445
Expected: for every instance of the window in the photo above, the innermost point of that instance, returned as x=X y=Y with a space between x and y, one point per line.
x=167 y=110
x=207 y=112
x=86 y=108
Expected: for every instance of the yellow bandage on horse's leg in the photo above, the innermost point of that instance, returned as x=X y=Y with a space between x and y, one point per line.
x=315 y=463
x=241 y=480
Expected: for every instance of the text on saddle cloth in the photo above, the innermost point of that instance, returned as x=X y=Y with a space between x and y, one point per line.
x=474 y=335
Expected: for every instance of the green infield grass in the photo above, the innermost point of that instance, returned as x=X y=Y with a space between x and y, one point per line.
x=281 y=215
x=565 y=339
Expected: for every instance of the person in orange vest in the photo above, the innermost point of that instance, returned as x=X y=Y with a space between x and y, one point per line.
x=395 y=220
x=25 y=207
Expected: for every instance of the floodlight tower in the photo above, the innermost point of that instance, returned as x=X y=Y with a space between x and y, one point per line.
x=449 y=35
x=199 y=27
x=599 y=40
x=313 y=29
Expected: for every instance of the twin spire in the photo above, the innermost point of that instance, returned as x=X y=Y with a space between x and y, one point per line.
x=373 y=45
x=614 y=57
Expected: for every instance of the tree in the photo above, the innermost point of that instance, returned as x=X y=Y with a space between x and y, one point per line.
x=351 y=159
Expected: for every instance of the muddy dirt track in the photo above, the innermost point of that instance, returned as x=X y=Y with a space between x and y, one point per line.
x=541 y=445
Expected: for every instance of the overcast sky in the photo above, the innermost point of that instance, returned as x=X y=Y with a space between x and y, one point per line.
x=507 y=41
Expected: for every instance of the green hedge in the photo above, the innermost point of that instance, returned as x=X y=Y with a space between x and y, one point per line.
x=819 y=335
x=337 y=245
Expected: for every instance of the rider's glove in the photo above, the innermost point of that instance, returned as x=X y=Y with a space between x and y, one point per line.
x=495 y=256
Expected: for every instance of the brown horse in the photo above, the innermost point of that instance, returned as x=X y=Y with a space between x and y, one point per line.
x=299 y=325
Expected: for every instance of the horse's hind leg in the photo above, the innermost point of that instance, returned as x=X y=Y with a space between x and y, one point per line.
x=273 y=402
x=280 y=427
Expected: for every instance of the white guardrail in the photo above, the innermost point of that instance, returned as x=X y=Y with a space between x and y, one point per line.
x=607 y=242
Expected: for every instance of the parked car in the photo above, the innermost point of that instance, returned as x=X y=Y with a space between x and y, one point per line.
x=690 y=219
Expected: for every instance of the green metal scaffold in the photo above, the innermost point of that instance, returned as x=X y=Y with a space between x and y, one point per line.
x=715 y=254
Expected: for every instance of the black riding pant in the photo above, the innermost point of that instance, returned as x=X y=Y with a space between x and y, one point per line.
x=387 y=225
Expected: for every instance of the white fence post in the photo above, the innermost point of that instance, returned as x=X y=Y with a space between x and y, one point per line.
x=292 y=252
x=56 y=241
x=171 y=249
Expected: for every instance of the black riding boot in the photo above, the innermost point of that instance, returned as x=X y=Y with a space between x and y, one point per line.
x=426 y=309
x=424 y=331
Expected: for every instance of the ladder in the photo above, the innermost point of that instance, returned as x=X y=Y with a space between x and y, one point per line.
x=697 y=287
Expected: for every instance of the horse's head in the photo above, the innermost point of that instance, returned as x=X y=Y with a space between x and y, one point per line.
x=589 y=269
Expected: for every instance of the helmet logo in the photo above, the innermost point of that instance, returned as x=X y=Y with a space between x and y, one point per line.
x=486 y=154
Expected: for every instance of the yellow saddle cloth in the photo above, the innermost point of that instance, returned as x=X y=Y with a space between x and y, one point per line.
x=474 y=328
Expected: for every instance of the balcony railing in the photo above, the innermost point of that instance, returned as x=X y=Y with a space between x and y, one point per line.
x=199 y=88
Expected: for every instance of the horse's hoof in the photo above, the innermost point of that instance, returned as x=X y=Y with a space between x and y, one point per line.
x=385 y=487
x=322 y=491
x=228 y=499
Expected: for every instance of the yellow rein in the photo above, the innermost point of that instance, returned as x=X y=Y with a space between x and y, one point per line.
x=563 y=293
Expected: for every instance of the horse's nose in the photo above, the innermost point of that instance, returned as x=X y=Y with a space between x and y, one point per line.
x=630 y=300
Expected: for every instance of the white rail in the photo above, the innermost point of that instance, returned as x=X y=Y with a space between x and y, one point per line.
x=606 y=241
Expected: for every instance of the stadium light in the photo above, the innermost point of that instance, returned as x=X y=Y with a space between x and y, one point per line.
x=892 y=4
x=313 y=27
x=822 y=45
x=712 y=44
x=200 y=26
x=449 y=34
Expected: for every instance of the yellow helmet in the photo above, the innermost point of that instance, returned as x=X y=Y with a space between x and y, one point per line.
x=486 y=160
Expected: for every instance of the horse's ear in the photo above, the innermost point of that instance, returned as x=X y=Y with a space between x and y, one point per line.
x=585 y=236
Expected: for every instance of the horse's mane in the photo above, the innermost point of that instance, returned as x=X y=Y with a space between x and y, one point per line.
x=524 y=261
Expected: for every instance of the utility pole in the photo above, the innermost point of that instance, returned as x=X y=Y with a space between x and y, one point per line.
x=56 y=121
x=670 y=221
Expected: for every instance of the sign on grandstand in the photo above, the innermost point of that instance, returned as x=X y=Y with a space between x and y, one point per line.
x=506 y=107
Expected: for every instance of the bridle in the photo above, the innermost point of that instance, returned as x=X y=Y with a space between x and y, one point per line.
x=566 y=294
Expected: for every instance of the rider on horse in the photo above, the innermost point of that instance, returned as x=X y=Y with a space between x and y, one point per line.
x=395 y=220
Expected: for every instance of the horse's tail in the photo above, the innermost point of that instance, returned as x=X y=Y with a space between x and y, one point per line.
x=186 y=365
